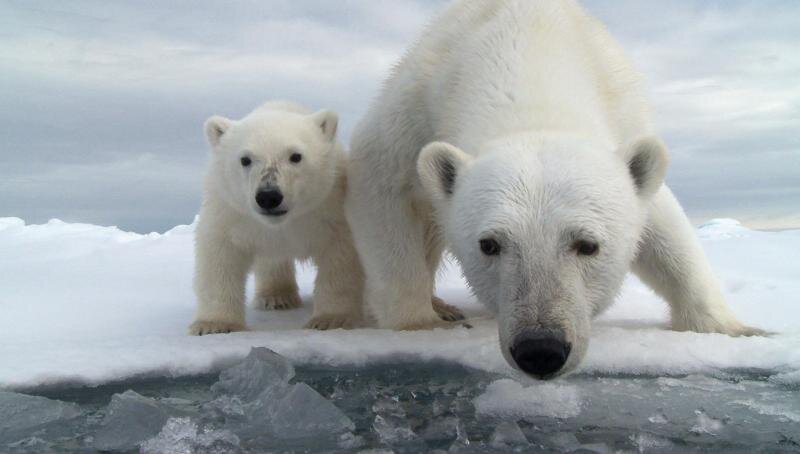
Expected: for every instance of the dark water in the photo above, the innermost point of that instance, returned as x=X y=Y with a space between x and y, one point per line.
x=417 y=407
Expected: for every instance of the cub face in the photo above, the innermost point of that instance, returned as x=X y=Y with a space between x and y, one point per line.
x=545 y=231
x=274 y=165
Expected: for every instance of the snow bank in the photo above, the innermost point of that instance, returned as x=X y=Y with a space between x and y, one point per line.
x=84 y=304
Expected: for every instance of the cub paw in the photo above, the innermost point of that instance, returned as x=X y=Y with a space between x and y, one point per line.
x=446 y=311
x=333 y=321
x=201 y=328
x=428 y=323
x=277 y=302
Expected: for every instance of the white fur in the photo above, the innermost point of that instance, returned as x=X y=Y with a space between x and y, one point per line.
x=545 y=129
x=234 y=237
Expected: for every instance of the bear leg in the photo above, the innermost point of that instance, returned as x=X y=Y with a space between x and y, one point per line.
x=671 y=261
x=276 y=286
x=220 y=275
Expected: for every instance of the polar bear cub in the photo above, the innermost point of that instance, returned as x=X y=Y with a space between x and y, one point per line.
x=273 y=194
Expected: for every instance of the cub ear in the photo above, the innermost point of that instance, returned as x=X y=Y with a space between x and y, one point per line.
x=216 y=127
x=439 y=165
x=327 y=121
x=647 y=161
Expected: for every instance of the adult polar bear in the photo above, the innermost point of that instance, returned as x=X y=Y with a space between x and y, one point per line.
x=544 y=180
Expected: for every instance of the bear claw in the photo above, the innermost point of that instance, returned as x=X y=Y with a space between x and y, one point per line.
x=205 y=328
x=328 y=322
x=278 y=302
x=446 y=312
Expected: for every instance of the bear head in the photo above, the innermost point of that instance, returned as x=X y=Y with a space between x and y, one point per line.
x=274 y=164
x=545 y=229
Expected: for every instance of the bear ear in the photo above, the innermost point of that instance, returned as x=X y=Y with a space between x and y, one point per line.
x=327 y=121
x=439 y=165
x=216 y=127
x=647 y=161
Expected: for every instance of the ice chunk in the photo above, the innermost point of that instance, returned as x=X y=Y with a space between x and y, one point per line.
x=388 y=406
x=564 y=441
x=509 y=400
x=303 y=412
x=699 y=382
x=781 y=411
x=787 y=378
x=647 y=442
x=229 y=407
x=181 y=435
x=720 y=229
x=441 y=429
x=706 y=424
x=130 y=419
x=393 y=430
x=658 y=418
x=30 y=444
x=22 y=414
x=261 y=370
x=592 y=448
x=507 y=434
x=462 y=439
x=350 y=441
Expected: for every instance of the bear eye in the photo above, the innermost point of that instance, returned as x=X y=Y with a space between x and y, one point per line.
x=587 y=248
x=246 y=161
x=490 y=246
x=296 y=157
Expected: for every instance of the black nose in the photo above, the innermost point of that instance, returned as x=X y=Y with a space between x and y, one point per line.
x=269 y=199
x=540 y=353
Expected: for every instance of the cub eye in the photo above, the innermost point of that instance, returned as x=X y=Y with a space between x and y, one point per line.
x=246 y=161
x=490 y=246
x=586 y=248
x=296 y=157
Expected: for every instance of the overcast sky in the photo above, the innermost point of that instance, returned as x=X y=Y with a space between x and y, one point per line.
x=102 y=103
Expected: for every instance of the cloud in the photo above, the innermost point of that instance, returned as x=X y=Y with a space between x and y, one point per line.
x=103 y=102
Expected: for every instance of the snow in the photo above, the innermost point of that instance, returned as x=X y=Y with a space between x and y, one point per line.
x=86 y=305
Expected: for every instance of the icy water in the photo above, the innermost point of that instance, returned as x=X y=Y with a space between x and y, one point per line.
x=410 y=407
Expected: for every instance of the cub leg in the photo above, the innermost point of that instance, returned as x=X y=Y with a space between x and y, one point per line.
x=339 y=287
x=276 y=287
x=219 y=282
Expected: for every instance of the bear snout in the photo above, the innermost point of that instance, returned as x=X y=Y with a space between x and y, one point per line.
x=269 y=200
x=540 y=353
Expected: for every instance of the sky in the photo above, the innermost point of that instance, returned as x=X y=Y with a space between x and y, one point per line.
x=102 y=103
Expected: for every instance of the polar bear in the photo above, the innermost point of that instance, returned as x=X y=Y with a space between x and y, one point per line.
x=517 y=134
x=274 y=194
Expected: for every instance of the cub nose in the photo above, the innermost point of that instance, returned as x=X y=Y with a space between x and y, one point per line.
x=269 y=199
x=540 y=354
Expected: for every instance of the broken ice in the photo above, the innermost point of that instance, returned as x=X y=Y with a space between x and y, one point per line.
x=303 y=412
x=131 y=419
x=181 y=435
x=23 y=414
x=261 y=370
x=393 y=430
x=269 y=405
x=507 y=434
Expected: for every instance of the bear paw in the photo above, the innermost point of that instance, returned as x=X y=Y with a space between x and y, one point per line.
x=201 y=328
x=277 y=302
x=710 y=325
x=446 y=311
x=332 y=321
